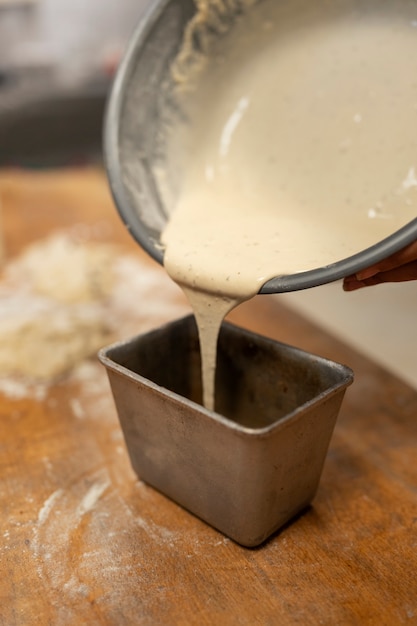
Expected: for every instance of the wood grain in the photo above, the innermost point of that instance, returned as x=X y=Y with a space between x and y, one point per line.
x=82 y=541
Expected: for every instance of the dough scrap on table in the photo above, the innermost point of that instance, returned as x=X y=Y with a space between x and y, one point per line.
x=63 y=299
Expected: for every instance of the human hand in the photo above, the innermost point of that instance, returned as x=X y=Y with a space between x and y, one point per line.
x=399 y=267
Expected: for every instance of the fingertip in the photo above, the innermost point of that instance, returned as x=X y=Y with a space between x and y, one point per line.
x=352 y=285
x=366 y=273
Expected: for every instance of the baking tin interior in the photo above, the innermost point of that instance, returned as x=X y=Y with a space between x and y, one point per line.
x=258 y=381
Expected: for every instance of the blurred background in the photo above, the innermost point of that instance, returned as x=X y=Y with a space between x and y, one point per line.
x=57 y=58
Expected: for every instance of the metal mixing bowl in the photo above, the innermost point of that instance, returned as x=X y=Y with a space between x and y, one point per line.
x=140 y=97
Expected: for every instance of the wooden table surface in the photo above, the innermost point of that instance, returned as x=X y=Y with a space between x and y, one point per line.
x=82 y=541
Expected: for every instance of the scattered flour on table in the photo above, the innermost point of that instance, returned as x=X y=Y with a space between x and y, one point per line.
x=48 y=505
x=19 y=389
x=64 y=299
x=92 y=496
x=77 y=408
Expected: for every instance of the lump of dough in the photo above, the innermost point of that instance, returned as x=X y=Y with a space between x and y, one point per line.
x=43 y=339
x=62 y=300
x=52 y=306
x=67 y=270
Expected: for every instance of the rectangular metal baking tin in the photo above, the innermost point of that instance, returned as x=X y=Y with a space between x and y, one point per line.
x=252 y=465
